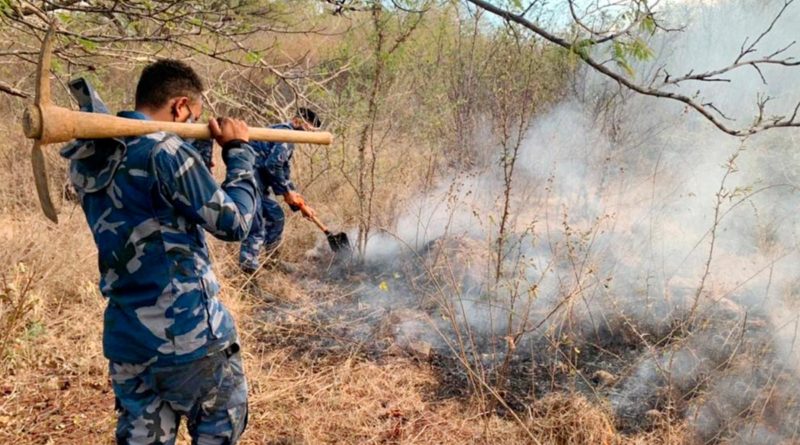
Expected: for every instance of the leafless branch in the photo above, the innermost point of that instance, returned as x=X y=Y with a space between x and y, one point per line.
x=342 y=6
x=711 y=75
x=712 y=114
x=8 y=89
x=714 y=107
x=397 y=5
x=760 y=74
x=603 y=36
x=752 y=46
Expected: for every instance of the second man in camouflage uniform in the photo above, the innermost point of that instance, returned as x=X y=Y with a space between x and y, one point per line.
x=273 y=173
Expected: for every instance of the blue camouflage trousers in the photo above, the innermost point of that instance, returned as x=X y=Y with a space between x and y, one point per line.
x=211 y=393
x=266 y=230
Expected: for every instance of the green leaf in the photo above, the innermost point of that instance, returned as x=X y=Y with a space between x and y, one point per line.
x=253 y=57
x=34 y=329
x=639 y=49
x=87 y=44
x=202 y=47
x=582 y=47
x=64 y=18
x=57 y=66
x=618 y=54
x=626 y=66
x=649 y=24
x=623 y=52
x=618 y=50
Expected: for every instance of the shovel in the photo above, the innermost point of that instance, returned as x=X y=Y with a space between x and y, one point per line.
x=338 y=241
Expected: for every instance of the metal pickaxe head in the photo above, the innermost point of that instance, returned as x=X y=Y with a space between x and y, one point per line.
x=33 y=126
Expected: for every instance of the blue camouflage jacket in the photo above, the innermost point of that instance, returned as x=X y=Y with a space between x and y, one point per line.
x=148 y=202
x=273 y=164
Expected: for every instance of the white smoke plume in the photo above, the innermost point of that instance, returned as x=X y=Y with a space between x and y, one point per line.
x=613 y=218
x=608 y=262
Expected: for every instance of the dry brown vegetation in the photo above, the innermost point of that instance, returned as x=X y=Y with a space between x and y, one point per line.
x=56 y=390
x=413 y=101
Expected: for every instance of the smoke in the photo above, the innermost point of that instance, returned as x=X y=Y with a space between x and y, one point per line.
x=614 y=213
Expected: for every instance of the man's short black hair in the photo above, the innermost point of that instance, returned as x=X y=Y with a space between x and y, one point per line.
x=165 y=79
x=309 y=116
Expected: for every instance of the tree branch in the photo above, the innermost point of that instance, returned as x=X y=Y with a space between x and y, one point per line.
x=8 y=89
x=704 y=109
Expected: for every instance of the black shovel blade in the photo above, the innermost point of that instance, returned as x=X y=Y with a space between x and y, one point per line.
x=339 y=242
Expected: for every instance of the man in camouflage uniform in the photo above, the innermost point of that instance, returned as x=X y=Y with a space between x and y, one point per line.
x=273 y=172
x=172 y=346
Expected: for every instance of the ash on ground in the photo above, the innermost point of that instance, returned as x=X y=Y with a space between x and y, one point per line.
x=716 y=370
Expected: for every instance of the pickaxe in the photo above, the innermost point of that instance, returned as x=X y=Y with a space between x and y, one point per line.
x=47 y=123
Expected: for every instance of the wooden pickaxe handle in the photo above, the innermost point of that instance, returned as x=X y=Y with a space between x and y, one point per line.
x=51 y=124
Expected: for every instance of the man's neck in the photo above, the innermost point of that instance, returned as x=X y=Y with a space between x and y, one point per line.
x=156 y=115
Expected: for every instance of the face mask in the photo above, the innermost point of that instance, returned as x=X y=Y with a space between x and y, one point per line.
x=191 y=118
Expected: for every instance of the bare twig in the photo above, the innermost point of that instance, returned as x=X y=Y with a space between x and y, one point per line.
x=8 y=89
x=710 y=114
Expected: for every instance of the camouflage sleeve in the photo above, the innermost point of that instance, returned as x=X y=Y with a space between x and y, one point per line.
x=205 y=148
x=225 y=211
x=277 y=165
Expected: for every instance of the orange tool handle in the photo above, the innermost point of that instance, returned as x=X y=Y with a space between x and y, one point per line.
x=314 y=219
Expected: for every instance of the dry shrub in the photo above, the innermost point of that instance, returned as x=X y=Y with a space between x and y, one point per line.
x=457 y=259
x=360 y=402
x=570 y=419
x=17 y=192
x=55 y=387
x=16 y=303
x=665 y=433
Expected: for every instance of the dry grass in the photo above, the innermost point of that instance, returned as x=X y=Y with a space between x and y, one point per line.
x=56 y=389
x=574 y=420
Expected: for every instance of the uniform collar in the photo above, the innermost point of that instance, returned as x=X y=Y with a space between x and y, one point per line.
x=133 y=115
